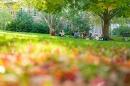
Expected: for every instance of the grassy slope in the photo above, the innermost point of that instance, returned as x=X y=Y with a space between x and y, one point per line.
x=9 y=39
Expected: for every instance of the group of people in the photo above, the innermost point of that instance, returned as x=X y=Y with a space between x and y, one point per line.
x=78 y=34
x=86 y=35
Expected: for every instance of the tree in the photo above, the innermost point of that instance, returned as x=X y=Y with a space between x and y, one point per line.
x=49 y=6
x=2 y=4
x=5 y=18
x=51 y=20
x=49 y=10
x=106 y=10
x=81 y=22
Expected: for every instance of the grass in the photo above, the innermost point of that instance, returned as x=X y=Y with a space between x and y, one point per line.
x=7 y=39
x=46 y=37
x=19 y=42
x=30 y=52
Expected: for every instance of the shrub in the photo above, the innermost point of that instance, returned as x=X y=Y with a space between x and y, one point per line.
x=24 y=23
x=120 y=30
x=40 y=28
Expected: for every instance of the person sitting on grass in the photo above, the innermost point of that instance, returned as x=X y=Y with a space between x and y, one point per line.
x=76 y=34
x=90 y=36
x=84 y=35
x=62 y=33
x=96 y=36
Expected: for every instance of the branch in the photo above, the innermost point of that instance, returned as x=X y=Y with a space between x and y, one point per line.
x=46 y=20
x=114 y=12
x=102 y=15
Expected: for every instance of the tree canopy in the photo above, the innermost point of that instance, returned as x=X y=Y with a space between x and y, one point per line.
x=49 y=6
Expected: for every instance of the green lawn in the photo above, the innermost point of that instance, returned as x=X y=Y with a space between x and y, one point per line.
x=69 y=41
x=10 y=40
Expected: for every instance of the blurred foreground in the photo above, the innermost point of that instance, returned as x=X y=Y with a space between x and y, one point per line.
x=51 y=61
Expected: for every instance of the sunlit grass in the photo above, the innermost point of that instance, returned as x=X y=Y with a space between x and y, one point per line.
x=9 y=38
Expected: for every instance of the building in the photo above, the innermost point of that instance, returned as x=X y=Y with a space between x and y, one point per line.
x=10 y=7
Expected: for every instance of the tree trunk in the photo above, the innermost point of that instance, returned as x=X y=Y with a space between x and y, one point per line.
x=105 y=28
x=105 y=18
x=52 y=31
x=50 y=21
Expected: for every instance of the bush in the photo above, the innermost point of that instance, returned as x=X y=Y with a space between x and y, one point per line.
x=40 y=28
x=120 y=30
x=24 y=23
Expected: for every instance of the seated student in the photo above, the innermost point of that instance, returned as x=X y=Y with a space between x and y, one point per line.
x=96 y=37
x=84 y=35
x=72 y=33
x=76 y=34
x=90 y=36
x=62 y=33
